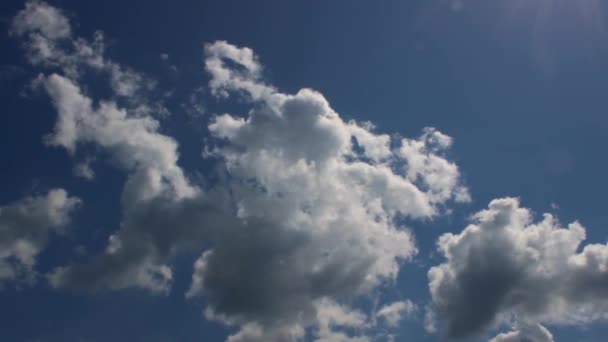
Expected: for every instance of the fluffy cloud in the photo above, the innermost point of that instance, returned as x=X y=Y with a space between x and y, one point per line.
x=504 y=265
x=437 y=174
x=25 y=227
x=49 y=42
x=155 y=182
x=307 y=214
x=527 y=333
x=319 y=198
x=40 y=18
x=393 y=313
x=133 y=140
x=128 y=134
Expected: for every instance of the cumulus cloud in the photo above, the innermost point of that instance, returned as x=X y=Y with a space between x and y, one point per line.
x=318 y=196
x=306 y=215
x=437 y=174
x=49 y=42
x=128 y=134
x=505 y=265
x=40 y=18
x=133 y=140
x=527 y=333
x=155 y=182
x=394 y=312
x=25 y=227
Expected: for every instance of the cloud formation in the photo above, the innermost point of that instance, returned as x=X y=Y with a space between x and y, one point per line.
x=49 y=42
x=121 y=130
x=25 y=227
x=504 y=265
x=306 y=216
x=319 y=196
x=39 y=18
x=527 y=333
x=393 y=313
x=155 y=181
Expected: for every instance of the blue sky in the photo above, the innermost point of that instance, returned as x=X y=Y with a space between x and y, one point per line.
x=168 y=180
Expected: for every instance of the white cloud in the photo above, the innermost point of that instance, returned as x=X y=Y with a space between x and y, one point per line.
x=150 y=158
x=40 y=18
x=505 y=265
x=25 y=227
x=124 y=128
x=319 y=215
x=253 y=332
x=303 y=206
x=527 y=333
x=49 y=42
x=247 y=78
x=134 y=141
x=128 y=134
x=330 y=318
x=331 y=315
x=305 y=218
x=393 y=313
x=425 y=163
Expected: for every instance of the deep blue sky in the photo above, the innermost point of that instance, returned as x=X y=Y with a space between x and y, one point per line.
x=525 y=100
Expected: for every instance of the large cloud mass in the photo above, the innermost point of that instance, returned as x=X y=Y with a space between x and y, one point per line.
x=504 y=265
x=306 y=213
x=306 y=216
x=318 y=198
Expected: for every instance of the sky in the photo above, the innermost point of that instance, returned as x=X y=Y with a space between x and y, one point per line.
x=328 y=171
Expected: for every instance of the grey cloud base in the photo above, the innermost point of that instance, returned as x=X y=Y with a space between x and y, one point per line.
x=506 y=266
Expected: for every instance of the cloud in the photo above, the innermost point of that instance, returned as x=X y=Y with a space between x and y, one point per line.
x=126 y=132
x=247 y=77
x=155 y=182
x=133 y=141
x=84 y=169
x=319 y=198
x=40 y=18
x=49 y=42
x=25 y=227
x=301 y=217
x=194 y=105
x=505 y=265
x=393 y=313
x=307 y=213
x=527 y=333
x=437 y=174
